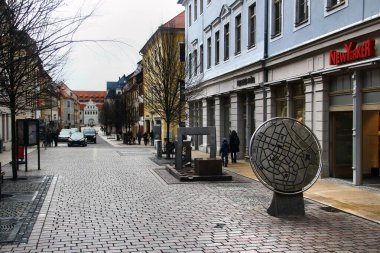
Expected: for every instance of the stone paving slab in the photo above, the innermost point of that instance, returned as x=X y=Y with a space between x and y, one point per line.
x=104 y=202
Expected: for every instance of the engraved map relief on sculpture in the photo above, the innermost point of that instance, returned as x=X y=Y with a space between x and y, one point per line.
x=285 y=155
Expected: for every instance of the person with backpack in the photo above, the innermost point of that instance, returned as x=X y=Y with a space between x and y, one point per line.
x=224 y=150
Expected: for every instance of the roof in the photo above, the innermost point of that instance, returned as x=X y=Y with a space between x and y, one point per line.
x=176 y=22
x=83 y=93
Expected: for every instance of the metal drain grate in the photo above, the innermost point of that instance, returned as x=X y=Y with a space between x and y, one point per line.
x=9 y=229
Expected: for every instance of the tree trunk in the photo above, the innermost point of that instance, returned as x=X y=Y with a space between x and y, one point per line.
x=14 y=144
x=167 y=138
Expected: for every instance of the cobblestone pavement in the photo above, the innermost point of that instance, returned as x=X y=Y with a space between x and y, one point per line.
x=106 y=199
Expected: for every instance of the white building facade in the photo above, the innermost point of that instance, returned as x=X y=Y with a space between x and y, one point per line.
x=90 y=114
x=316 y=61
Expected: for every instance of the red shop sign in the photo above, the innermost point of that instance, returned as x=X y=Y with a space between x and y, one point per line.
x=353 y=53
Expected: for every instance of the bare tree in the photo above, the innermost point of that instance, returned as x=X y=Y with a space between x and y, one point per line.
x=131 y=111
x=34 y=41
x=165 y=89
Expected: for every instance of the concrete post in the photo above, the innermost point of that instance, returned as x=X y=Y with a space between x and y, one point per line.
x=357 y=130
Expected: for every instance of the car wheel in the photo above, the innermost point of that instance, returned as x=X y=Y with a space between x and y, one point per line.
x=68 y=145
x=95 y=141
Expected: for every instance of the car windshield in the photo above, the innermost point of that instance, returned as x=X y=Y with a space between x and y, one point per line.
x=76 y=136
x=89 y=131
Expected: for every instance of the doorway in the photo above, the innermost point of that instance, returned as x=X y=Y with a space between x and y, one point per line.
x=342 y=123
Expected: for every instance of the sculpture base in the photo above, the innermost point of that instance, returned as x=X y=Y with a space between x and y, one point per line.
x=287 y=205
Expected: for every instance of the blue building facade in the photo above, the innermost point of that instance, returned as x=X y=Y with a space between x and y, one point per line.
x=316 y=61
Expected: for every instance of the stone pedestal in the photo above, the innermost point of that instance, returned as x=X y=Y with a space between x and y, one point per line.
x=287 y=205
x=187 y=148
x=207 y=167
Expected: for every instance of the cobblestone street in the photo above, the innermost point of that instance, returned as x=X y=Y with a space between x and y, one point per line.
x=106 y=199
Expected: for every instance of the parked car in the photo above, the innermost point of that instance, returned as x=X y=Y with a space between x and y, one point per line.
x=64 y=135
x=77 y=139
x=74 y=129
x=90 y=134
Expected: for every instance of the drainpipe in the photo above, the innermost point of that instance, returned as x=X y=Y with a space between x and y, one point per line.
x=265 y=57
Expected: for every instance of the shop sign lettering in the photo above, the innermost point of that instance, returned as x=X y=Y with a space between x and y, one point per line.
x=246 y=81
x=353 y=52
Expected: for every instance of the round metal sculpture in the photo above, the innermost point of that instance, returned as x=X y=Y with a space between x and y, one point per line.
x=285 y=155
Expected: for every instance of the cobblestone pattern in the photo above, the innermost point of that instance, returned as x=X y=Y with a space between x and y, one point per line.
x=105 y=202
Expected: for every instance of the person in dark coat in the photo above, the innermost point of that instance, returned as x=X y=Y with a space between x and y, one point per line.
x=139 y=137
x=145 y=137
x=234 y=145
x=224 y=150
x=151 y=135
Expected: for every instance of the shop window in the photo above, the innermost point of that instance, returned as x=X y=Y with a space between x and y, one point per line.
x=280 y=100
x=298 y=98
x=371 y=79
x=341 y=84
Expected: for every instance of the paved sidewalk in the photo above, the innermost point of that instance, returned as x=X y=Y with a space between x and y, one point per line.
x=358 y=200
x=110 y=199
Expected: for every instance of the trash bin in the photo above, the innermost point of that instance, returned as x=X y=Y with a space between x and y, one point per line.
x=125 y=138
x=20 y=153
x=118 y=137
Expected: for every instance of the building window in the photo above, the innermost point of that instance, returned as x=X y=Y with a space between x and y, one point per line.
x=190 y=65
x=341 y=84
x=68 y=116
x=200 y=7
x=209 y=53
x=196 y=9
x=298 y=98
x=208 y=1
x=276 y=18
x=195 y=62
x=302 y=12
x=182 y=52
x=252 y=26
x=238 y=34
x=226 y=41
x=371 y=79
x=190 y=15
x=332 y=4
x=280 y=93
x=217 y=44
x=68 y=103
x=201 y=59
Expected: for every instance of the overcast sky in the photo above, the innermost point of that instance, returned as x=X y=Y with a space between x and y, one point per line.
x=91 y=65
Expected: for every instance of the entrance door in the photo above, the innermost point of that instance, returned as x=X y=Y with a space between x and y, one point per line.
x=342 y=144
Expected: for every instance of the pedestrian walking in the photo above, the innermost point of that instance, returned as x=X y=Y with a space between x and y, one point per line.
x=224 y=150
x=151 y=135
x=145 y=137
x=234 y=145
x=49 y=138
x=139 y=137
x=56 y=134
